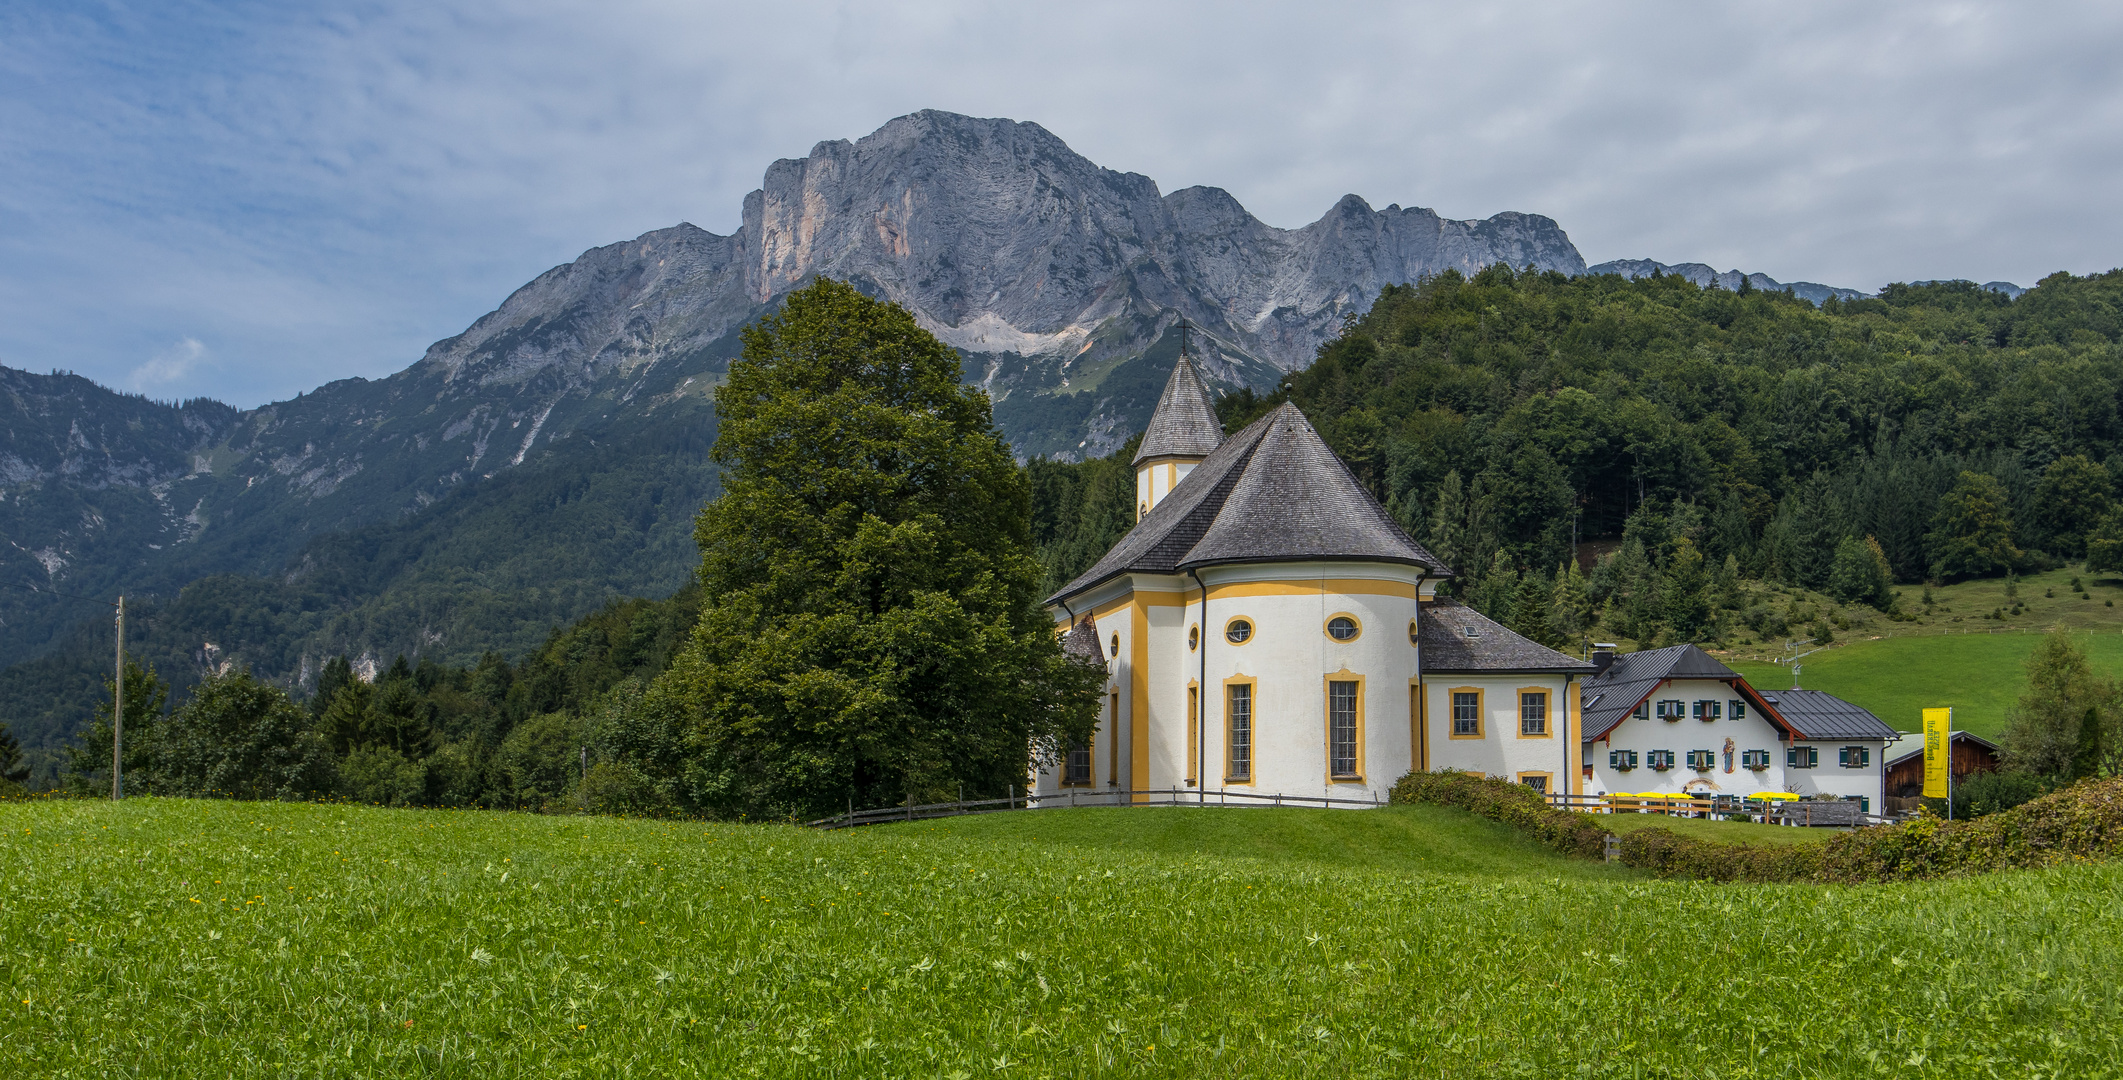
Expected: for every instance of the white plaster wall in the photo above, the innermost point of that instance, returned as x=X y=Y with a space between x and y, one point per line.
x=1500 y=751
x=1291 y=657
x=1829 y=778
x=1155 y=479
x=1680 y=736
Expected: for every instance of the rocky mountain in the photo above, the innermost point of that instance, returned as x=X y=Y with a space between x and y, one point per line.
x=553 y=454
x=1703 y=275
x=1049 y=271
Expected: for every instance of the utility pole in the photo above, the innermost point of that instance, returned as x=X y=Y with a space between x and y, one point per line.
x=118 y=714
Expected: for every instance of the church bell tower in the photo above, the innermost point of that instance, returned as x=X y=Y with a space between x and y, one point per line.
x=1182 y=432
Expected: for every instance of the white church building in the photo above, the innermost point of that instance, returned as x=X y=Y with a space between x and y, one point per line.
x=1267 y=628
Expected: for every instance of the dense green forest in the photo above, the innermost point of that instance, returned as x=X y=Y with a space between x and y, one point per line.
x=1693 y=437
x=1646 y=460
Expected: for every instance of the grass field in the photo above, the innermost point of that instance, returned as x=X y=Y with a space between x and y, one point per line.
x=188 y=939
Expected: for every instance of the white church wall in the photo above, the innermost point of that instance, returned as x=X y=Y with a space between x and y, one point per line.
x=1500 y=748
x=1288 y=661
x=1689 y=733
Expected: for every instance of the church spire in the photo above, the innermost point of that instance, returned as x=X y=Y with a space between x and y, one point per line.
x=1182 y=432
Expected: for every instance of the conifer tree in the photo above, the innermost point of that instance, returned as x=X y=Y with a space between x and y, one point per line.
x=1684 y=592
x=14 y=769
x=1570 y=608
x=2044 y=729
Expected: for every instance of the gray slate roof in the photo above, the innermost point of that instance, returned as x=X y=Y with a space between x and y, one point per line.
x=1818 y=714
x=1081 y=643
x=1608 y=697
x=1185 y=423
x=1271 y=493
x=1446 y=647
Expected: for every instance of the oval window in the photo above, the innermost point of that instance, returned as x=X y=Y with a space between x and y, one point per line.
x=1412 y=638
x=1194 y=638
x=1116 y=646
x=1342 y=628
x=1237 y=631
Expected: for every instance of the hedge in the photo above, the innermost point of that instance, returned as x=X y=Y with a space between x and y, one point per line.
x=2081 y=822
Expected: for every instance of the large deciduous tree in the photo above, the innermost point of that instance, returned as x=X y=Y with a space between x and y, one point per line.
x=870 y=628
x=1973 y=530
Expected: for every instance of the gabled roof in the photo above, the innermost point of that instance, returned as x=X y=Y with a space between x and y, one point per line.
x=1610 y=696
x=1456 y=639
x=1818 y=714
x=1957 y=737
x=1271 y=493
x=1185 y=423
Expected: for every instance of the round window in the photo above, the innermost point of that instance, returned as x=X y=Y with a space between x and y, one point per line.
x=1412 y=639
x=1342 y=628
x=1194 y=638
x=1237 y=631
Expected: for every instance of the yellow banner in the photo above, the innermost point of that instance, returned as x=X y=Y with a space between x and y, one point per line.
x=1938 y=751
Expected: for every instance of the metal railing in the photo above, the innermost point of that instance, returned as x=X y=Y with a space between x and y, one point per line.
x=911 y=811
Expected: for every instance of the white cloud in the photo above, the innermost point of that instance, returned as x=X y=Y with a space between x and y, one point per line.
x=168 y=367
x=323 y=192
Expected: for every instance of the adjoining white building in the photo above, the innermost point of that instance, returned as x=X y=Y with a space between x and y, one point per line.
x=1267 y=628
x=1676 y=721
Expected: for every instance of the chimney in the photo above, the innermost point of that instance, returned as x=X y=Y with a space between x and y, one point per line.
x=1602 y=656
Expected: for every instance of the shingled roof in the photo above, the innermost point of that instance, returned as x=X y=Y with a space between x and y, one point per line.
x=1456 y=639
x=1185 y=423
x=1080 y=642
x=1610 y=696
x=1271 y=493
x=1818 y=714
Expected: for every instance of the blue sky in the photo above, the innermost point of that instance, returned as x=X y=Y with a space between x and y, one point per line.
x=246 y=200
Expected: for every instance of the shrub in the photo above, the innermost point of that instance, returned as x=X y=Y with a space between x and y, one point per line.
x=2083 y=821
x=1513 y=804
x=1669 y=854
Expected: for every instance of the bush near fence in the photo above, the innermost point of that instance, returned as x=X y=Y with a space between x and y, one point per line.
x=2081 y=822
x=1513 y=804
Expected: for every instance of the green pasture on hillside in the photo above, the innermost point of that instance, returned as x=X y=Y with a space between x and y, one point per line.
x=207 y=939
x=1979 y=675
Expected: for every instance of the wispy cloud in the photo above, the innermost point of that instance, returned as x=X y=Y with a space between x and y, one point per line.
x=321 y=191
x=168 y=367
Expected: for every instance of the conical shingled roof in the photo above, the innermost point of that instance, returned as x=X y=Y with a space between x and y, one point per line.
x=1271 y=493
x=1185 y=423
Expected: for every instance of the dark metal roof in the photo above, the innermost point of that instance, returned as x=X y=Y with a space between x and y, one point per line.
x=1456 y=639
x=1818 y=714
x=1185 y=423
x=1271 y=493
x=1609 y=697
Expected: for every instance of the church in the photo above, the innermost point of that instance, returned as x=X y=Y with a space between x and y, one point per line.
x=1267 y=628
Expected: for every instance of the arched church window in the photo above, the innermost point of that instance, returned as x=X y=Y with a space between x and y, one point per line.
x=1238 y=631
x=1343 y=628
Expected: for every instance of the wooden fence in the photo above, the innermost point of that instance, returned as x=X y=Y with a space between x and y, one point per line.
x=912 y=811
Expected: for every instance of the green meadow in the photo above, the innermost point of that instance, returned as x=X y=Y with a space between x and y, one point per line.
x=218 y=939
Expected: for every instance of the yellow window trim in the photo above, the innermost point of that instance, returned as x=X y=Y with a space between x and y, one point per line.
x=1327 y=723
x=1481 y=713
x=1139 y=698
x=1548 y=776
x=1252 y=635
x=1194 y=730
x=1253 y=766
x=1324 y=623
x=1573 y=732
x=1518 y=701
x=1418 y=726
x=1113 y=739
